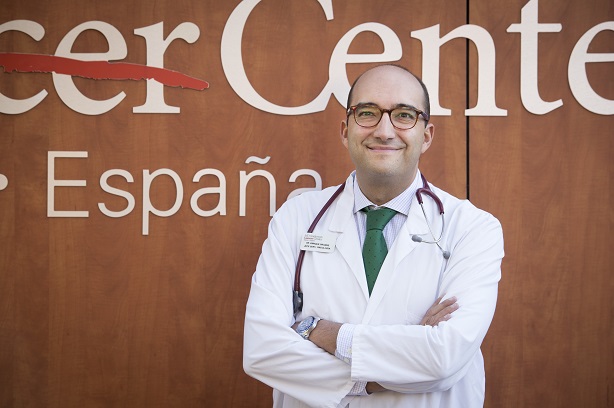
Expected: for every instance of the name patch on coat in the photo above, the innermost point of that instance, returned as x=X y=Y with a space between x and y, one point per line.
x=318 y=243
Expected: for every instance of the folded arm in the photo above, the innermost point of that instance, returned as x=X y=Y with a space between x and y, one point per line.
x=415 y=359
x=326 y=333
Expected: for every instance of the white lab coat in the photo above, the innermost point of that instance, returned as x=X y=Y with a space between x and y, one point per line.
x=423 y=366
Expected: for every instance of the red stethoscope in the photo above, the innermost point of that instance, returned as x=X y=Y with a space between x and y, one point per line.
x=297 y=298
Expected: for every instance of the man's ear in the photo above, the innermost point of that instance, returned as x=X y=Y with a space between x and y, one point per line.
x=429 y=134
x=344 y=133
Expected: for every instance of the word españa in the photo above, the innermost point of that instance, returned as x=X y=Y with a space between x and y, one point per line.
x=338 y=85
x=150 y=177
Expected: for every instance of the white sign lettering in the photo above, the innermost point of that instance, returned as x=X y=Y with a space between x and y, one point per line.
x=338 y=85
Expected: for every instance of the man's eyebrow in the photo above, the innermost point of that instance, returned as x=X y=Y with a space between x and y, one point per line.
x=404 y=105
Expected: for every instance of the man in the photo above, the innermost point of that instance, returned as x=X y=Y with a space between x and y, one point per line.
x=377 y=336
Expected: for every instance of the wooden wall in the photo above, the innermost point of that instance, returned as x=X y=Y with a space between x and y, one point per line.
x=549 y=180
x=95 y=314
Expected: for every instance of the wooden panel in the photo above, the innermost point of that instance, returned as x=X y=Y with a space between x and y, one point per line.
x=548 y=178
x=93 y=313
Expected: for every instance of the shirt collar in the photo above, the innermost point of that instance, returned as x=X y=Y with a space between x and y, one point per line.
x=400 y=203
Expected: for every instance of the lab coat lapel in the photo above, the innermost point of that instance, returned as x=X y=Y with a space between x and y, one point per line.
x=348 y=243
x=403 y=245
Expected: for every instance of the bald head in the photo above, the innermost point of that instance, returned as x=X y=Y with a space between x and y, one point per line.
x=382 y=70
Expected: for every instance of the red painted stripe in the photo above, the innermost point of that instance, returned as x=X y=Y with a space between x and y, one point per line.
x=97 y=69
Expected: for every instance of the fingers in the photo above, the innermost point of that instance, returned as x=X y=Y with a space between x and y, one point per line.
x=440 y=311
x=449 y=305
x=439 y=306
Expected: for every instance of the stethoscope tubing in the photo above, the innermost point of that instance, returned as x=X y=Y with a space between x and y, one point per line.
x=425 y=189
x=298 y=295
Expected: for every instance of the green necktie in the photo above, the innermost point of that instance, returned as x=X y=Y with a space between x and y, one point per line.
x=374 y=249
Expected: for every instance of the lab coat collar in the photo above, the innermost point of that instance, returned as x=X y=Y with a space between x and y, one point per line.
x=403 y=245
x=415 y=224
x=343 y=211
x=348 y=242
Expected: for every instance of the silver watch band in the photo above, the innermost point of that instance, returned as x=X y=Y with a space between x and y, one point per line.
x=306 y=332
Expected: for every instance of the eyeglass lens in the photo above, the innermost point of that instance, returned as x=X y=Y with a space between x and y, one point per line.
x=370 y=115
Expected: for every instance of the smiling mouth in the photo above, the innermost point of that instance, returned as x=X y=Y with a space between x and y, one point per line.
x=383 y=148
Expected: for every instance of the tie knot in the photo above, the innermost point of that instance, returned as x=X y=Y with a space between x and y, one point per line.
x=377 y=219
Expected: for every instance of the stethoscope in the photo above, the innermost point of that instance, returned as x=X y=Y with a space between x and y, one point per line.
x=297 y=298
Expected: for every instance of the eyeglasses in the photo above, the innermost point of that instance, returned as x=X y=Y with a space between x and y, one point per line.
x=402 y=118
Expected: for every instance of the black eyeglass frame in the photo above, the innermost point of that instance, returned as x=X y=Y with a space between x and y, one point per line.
x=352 y=109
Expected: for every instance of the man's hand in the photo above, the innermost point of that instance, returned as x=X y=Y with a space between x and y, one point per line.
x=439 y=312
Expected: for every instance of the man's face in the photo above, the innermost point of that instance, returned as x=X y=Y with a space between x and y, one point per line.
x=384 y=154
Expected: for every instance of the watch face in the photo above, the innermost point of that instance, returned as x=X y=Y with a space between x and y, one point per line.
x=305 y=324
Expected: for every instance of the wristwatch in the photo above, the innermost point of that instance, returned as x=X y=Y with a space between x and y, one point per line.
x=306 y=326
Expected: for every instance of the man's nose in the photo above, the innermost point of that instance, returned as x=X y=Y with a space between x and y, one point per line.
x=384 y=129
